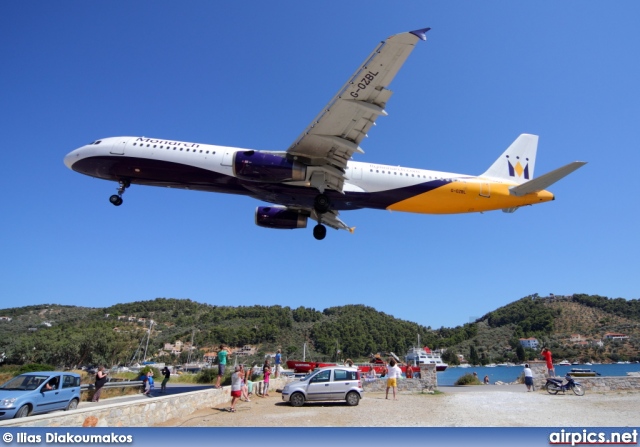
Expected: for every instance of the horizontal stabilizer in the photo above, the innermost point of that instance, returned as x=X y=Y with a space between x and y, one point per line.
x=546 y=180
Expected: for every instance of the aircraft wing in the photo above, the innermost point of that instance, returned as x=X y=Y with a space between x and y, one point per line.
x=335 y=134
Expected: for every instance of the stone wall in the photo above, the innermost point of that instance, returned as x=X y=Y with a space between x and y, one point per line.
x=598 y=383
x=428 y=382
x=142 y=413
x=609 y=383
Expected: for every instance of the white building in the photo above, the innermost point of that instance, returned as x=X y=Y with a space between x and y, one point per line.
x=529 y=343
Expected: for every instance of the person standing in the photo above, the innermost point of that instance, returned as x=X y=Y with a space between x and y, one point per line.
x=278 y=362
x=266 y=371
x=167 y=375
x=528 y=377
x=393 y=372
x=222 y=364
x=146 y=383
x=409 y=372
x=101 y=379
x=236 y=387
x=546 y=354
x=245 y=384
x=152 y=383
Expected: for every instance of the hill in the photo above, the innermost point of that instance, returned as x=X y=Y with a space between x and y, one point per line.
x=573 y=326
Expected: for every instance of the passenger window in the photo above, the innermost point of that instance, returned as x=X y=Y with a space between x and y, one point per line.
x=70 y=382
x=341 y=374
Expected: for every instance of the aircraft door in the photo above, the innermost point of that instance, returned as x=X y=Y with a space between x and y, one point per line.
x=118 y=146
x=227 y=157
x=356 y=172
x=485 y=189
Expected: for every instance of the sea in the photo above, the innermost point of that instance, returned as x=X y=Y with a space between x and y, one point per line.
x=509 y=374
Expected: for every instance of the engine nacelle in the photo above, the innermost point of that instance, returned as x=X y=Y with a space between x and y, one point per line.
x=280 y=217
x=264 y=167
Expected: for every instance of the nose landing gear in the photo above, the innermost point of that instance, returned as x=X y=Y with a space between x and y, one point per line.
x=116 y=199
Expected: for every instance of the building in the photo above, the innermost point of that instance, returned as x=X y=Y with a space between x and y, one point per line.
x=615 y=336
x=529 y=343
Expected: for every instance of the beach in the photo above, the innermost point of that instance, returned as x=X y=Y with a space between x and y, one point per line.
x=472 y=406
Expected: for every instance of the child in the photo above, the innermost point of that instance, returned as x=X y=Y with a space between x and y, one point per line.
x=266 y=370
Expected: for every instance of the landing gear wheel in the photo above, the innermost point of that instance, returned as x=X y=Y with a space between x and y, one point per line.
x=321 y=204
x=116 y=200
x=319 y=232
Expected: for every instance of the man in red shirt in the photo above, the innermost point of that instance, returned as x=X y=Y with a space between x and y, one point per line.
x=547 y=356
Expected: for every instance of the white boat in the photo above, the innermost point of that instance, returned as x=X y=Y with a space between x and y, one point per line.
x=565 y=363
x=418 y=356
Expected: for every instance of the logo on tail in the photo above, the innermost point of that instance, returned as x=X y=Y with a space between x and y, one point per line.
x=518 y=170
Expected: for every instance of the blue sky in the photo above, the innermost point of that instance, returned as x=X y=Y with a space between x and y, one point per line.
x=253 y=75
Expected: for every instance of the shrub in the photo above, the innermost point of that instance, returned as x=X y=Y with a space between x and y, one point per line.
x=468 y=379
x=32 y=367
x=207 y=375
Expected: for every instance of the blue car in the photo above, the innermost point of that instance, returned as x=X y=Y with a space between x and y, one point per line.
x=39 y=392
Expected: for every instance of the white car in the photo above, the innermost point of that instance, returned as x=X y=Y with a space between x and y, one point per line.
x=329 y=383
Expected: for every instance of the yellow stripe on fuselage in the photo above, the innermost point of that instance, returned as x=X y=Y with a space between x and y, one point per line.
x=468 y=197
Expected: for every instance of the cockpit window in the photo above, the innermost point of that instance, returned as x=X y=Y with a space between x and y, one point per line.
x=97 y=142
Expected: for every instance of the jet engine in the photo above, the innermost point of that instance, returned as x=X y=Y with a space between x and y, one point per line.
x=280 y=217
x=259 y=166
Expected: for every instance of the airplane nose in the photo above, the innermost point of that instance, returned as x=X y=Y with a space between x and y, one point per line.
x=71 y=157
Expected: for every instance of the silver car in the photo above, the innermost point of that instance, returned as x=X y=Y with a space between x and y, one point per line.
x=329 y=383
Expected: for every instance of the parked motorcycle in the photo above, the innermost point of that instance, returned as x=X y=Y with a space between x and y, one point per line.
x=555 y=384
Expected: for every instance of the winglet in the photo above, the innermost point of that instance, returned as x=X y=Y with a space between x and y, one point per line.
x=421 y=33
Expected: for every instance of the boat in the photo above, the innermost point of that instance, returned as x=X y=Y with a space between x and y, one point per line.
x=419 y=356
x=565 y=363
x=583 y=372
x=376 y=363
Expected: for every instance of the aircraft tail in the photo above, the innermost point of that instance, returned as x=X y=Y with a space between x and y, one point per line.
x=516 y=164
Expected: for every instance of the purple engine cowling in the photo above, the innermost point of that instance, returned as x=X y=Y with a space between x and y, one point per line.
x=264 y=167
x=280 y=217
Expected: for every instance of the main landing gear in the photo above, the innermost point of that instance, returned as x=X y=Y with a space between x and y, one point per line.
x=321 y=205
x=319 y=231
x=116 y=199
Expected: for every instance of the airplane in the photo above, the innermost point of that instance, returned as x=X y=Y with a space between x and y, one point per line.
x=316 y=178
